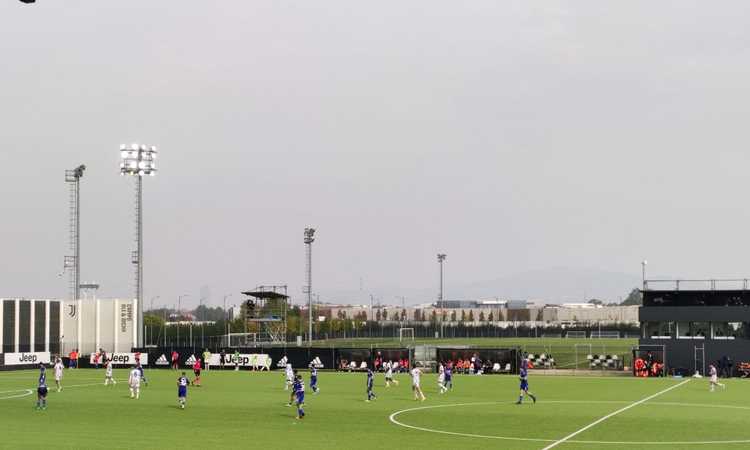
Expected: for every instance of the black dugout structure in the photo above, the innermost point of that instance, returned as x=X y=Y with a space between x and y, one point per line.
x=697 y=325
x=505 y=357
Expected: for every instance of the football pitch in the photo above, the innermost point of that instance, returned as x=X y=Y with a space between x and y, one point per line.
x=248 y=410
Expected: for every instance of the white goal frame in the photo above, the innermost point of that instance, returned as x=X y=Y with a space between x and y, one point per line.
x=401 y=333
x=575 y=335
x=605 y=335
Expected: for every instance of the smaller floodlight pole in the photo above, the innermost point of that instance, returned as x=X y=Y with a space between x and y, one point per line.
x=309 y=239
x=138 y=160
x=643 y=273
x=441 y=258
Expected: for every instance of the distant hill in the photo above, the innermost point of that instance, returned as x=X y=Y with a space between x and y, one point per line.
x=556 y=285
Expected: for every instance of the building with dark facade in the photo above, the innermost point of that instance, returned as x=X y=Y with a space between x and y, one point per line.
x=697 y=323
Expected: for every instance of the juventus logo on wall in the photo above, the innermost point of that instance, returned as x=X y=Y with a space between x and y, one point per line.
x=72 y=310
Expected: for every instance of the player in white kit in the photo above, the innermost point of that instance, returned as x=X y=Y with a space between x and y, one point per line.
x=289 y=377
x=441 y=378
x=134 y=381
x=58 y=373
x=714 y=378
x=108 y=373
x=389 y=375
x=416 y=373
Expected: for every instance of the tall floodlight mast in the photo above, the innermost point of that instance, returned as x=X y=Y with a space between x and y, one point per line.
x=138 y=160
x=309 y=239
x=441 y=301
x=72 y=264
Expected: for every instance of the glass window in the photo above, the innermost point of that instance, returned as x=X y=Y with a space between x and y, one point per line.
x=700 y=330
x=730 y=330
x=658 y=330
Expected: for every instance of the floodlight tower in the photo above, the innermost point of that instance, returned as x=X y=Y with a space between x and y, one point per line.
x=441 y=258
x=73 y=263
x=309 y=239
x=138 y=160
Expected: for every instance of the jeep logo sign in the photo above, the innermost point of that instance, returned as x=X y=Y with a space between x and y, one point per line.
x=122 y=359
x=25 y=359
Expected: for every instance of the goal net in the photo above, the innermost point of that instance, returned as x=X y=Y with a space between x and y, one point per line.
x=605 y=335
x=405 y=334
x=241 y=339
x=575 y=335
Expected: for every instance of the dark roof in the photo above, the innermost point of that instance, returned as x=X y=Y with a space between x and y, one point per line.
x=265 y=294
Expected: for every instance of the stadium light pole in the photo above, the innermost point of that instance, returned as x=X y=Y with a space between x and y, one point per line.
x=73 y=177
x=309 y=239
x=643 y=273
x=226 y=317
x=138 y=160
x=441 y=259
x=179 y=306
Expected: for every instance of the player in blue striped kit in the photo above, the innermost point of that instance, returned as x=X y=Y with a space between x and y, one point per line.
x=182 y=384
x=370 y=382
x=314 y=379
x=41 y=390
x=299 y=391
x=524 y=376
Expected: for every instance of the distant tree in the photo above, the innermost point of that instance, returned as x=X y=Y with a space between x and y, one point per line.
x=433 y=316
x=481 y=316
x=491 y=317
x=394 y=317
x=445 y=315
x=471 y=315
x=417 y=315
x=463 y=316
x=453 y=315
x=384 y=315
x=634 y=298
x=403 y=314
x=378 y=316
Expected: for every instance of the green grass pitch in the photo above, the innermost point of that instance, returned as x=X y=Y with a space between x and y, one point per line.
x=247 y=410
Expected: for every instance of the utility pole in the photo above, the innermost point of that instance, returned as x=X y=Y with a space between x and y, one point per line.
x=309 y=239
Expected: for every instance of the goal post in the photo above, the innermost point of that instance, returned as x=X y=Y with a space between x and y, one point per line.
x=405 y=334
x=575 y=335
x=605 y=335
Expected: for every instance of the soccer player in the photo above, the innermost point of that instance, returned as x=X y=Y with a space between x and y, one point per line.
x=197 y=372
x=207 y=359
x=175 y=360
x=441 y=378
x=134 y=381
x=58 y=373
x=139 y=366
x=524 y=377
x=293 y=378
x=370 y=382
x=416 y=373
x=314 y=379
x=236 y=360
x=41 y=390
x=289 y=372
x=222 y=356
x=108 y=373
x=448 y=384
x=182 y=384
x=299 y=390
x=714 y=380
x=389 y=375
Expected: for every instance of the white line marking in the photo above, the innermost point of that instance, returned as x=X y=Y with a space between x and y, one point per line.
x=596 y=422
x=26 y=393
x=573 y=441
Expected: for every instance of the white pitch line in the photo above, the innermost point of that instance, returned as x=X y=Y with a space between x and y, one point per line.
x=632 y=405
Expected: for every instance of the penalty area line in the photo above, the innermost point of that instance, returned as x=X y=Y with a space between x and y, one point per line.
x=612 y=414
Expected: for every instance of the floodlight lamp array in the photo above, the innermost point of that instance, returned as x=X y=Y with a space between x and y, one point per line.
x=138 y=160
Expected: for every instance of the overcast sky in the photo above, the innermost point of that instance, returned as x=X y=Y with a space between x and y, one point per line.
x=513 y=136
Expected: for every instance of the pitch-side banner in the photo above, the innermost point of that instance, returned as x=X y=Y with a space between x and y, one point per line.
x=22 y=359
x=245 y=360
x=121 y=359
